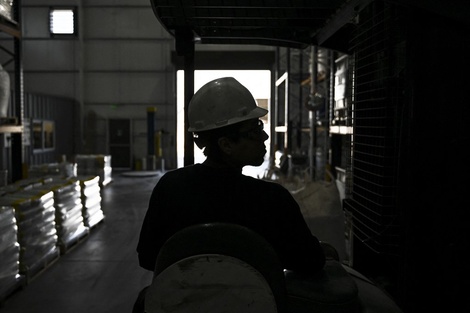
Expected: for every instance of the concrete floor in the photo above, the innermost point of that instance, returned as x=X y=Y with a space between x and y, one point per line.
x=101 y=274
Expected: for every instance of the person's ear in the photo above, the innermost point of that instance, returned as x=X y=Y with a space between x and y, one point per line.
x=225 y=145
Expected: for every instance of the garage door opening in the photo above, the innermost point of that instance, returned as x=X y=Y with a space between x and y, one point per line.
x=258 y=83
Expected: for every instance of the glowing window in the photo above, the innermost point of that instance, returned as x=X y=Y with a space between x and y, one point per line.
x=62 y=21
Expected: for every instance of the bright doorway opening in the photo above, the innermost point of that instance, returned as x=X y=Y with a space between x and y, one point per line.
x=258 y=83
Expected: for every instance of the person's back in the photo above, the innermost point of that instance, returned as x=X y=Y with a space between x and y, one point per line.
x=202 y=194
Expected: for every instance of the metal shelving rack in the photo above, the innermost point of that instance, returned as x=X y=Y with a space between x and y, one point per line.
x=12 y=27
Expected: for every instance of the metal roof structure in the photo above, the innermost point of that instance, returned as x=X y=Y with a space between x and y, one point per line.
x=287 y=23
x=294 y=23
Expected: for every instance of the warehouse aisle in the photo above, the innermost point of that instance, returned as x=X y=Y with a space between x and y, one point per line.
x=101 y=273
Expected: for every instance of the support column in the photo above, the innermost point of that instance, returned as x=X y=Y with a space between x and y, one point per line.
x=19 y=168
x=185 y=47
x=151 y=131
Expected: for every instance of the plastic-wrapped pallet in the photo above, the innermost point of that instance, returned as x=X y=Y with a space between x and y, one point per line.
x=61 y=170
x=37 y=234
x=91 y=200
x=41 y=170
x=10 y=277
x=6 y=9
x=69 y=215
x=26 y=184
x=95 y=164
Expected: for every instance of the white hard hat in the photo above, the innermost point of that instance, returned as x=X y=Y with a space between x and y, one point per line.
x=221 y=102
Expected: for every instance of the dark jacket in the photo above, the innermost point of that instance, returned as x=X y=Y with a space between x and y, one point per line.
x=201 y=194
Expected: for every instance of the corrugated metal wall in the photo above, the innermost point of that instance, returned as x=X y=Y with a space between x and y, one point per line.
x=117 y=66
x=63 y=113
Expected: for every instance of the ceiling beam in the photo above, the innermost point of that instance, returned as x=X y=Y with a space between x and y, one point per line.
x=342 y=17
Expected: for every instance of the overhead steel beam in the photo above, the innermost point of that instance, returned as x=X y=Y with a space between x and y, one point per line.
x=342 y=17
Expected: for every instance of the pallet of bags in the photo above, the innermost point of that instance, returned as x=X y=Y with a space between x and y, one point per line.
x=6 y=9
x=91 y=200
x=62 y=170
x=10 y=277
x=69 y=219
x=25 y=184
x=37 y=233
x=95 y=164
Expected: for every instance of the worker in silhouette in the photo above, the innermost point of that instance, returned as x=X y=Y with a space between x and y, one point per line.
x=225 y=121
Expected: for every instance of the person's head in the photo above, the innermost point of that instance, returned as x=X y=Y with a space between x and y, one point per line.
x=224 y=117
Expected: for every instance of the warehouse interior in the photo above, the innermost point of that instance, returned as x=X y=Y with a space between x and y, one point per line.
x=367 y=96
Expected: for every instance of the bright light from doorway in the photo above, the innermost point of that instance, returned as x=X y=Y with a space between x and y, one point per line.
x=258 y=83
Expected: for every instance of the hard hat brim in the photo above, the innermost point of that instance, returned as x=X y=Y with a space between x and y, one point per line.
x=255 y=113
